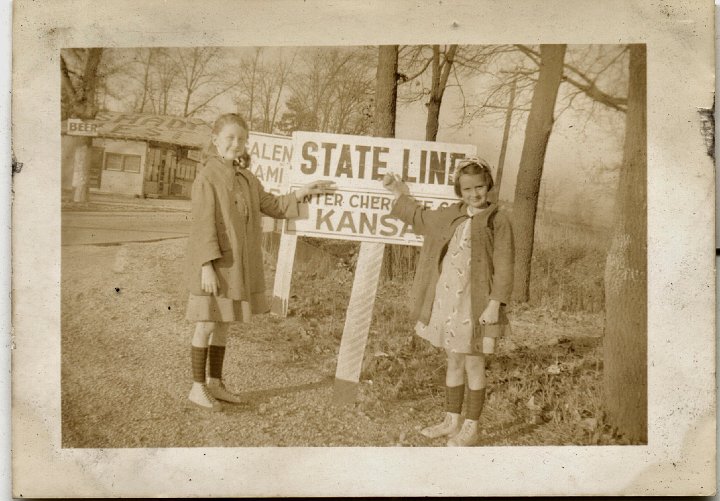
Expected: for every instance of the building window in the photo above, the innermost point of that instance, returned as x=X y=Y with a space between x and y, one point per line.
x=185 y=170
x=126 y=163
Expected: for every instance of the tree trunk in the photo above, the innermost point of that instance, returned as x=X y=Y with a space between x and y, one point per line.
x=433 y=105
x=186 y=107
x=385 y=107
x=386 y=91
x=625 y=343
x=506 y=137
x=81 y=171
x=146 y=82
x=537 y=133
x=85 y=107
x=440 y=75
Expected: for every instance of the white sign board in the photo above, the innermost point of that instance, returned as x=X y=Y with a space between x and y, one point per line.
x=271 y=157
x=76 y=127
x=359 y=209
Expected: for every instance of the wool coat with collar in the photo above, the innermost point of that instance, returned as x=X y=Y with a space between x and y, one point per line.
x=491 y=264
x=227 y=230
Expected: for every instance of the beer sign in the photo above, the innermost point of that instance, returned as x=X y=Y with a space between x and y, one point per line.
x=77 y=127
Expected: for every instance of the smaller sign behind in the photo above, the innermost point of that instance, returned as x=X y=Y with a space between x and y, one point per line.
x=271 y=156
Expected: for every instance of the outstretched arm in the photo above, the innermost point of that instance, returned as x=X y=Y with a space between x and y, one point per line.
x=315 y=188
x=406 y=208
x=286 y=206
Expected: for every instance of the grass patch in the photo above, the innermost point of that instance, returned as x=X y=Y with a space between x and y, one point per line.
x=545 y=382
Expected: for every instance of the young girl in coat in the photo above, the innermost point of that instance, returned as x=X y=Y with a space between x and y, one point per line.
x=464 y=279
x=224 y=255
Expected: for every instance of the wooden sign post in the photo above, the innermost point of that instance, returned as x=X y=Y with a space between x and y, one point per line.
x=357 y=322
x=283 y=274
x=359 y=210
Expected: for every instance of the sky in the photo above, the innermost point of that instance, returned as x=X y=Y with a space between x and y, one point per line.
x=577 y=146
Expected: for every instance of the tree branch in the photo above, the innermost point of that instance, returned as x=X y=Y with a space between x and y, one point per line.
x=591 y=90
x=404 y=78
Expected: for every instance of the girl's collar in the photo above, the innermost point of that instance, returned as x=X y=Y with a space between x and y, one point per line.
x=212 y=155
x=472 y=211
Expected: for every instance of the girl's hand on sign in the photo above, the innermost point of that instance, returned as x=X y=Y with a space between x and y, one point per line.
x=394 y=184
x=491 y=315
x=315 y=188
x=209 y=280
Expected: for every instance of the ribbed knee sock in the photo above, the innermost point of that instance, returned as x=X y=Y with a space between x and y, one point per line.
x=199 y=357
x=476 y=400
x=454 y=396
x=216 y=355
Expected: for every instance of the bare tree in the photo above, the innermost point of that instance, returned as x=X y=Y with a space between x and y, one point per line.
x=261 y=89
x=153 y=76
x=440 y=74
x=79 y=83
x=248 y=85
x=386 y=91
x=165 y=80
x=331 y=91
x=201 y=78
x=271 y=88
x=385 y=115
x=442 y=62
x=625 y=342
x=79 y=70
x=145 y=59
x=532 y=160
x=595 y=75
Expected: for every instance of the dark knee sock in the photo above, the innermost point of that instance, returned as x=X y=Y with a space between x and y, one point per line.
x=476 y=400
x=216 y=357
x=199 y=356
x=454 y=396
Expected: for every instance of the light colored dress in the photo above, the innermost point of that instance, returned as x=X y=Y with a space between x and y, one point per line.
x=451 y=323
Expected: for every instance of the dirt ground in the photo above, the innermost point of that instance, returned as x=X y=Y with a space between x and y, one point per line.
x=126 y=364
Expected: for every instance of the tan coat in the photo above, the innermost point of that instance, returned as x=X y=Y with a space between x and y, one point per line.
x=227 y=229
x=492 y=258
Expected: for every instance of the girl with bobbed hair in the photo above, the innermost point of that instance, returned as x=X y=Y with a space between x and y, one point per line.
x=462 y=284
x=225 y=265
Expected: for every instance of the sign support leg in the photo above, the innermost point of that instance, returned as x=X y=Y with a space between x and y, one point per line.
x=283 y=274
x=357 y=322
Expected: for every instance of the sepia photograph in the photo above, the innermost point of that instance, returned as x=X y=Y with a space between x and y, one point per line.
x=564 y=254
x=363 y=253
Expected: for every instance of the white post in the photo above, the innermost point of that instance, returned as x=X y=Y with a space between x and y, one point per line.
x=357 y=322
x=283 y=274
x=80 y=173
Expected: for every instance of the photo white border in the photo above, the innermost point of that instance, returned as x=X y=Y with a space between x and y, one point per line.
x=680 y=455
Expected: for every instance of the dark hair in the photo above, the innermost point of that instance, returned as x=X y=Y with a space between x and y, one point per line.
x=228 y=118
x=469 y=167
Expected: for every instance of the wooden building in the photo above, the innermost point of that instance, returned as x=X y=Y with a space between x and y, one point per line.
x=138 y=154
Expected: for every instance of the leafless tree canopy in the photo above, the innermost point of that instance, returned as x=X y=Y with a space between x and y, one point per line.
x=332 y=91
